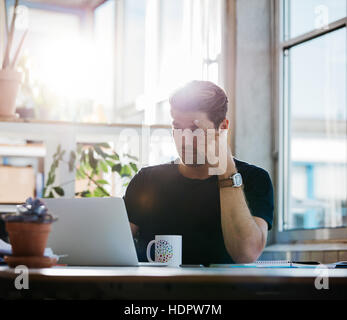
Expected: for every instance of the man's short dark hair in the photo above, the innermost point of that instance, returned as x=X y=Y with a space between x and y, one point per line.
x=202 y=96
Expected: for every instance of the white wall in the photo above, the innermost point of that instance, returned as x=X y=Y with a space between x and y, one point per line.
x=253 y=95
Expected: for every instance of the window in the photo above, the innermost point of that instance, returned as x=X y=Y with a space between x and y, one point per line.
x=104 y=35
x=304 y=16
x=313 y=151
x=116 y=63
x=57 y=85
x=164 y=44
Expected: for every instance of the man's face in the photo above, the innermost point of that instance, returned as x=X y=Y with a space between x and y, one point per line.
x=189 y=139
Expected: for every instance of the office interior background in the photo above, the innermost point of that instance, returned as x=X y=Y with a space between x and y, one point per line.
x=101 y=72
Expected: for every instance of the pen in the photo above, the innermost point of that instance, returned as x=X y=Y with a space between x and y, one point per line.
x=306 y=262
x=191 y=266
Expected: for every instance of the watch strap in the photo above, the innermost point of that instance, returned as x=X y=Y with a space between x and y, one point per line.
x=225 y=183
x=229 y=182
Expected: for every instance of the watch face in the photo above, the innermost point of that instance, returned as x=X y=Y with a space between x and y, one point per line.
x=237 y=179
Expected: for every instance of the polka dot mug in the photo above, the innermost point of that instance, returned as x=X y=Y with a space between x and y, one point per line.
x=168 y=250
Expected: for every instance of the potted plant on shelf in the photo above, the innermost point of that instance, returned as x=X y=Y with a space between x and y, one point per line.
x=28 y=231
x=91 y=162
x=10 y=78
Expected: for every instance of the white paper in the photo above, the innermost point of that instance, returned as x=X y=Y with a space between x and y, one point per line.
x=6 y=249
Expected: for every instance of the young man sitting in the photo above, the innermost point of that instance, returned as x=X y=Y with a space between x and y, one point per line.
x=222 y=207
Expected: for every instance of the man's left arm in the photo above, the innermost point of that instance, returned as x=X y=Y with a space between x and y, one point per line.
x=244 y=235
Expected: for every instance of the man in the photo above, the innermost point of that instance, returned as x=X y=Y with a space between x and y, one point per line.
x=223 y=217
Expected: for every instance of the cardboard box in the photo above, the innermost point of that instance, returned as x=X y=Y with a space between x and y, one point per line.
x=16 y=184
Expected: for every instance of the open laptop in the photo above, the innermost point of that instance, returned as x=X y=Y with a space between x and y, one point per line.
x=92 y=232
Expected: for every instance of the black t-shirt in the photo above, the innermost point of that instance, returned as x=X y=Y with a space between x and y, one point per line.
x=160 y=200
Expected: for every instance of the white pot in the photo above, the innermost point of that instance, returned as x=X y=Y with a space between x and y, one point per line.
x=9 y=85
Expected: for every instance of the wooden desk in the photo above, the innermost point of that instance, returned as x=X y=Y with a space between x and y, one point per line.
x=172 y=283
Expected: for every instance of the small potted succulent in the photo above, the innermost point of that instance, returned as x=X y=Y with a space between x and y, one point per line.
x=28 y=229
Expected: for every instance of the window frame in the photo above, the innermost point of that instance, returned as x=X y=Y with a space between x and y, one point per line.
x=281 y=127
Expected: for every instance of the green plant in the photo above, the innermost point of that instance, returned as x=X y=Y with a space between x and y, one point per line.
x=90 y=162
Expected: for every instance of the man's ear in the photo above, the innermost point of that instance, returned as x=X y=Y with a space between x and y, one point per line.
x=224 y=124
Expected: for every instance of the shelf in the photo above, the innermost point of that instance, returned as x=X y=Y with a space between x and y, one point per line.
x=29 y=150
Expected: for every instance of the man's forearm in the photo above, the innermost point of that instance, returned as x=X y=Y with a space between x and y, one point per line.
x=243 y=238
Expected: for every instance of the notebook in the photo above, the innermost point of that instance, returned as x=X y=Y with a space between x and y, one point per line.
x=270 y=264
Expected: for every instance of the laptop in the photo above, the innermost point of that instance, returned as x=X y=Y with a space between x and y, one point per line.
x=92 y=232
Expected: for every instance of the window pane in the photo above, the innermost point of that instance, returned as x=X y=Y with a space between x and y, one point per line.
x=302 y=16
x=51 y=63
x=104 y=34
x=173 y=55
x=317 y=161
x=164 y=45
x=132 y=55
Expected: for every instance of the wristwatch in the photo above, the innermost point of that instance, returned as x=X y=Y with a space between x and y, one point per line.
x=234 y=181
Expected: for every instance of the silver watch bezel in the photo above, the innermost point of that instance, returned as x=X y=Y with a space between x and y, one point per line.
x=237 y=180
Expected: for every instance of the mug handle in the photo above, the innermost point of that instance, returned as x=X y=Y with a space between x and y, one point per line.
x=149 y=250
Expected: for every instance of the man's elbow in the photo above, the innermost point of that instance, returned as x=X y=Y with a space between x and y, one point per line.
x=247 y=255
x=246 y=258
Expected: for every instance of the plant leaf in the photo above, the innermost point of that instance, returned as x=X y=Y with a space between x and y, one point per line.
x=110 y=163
x=92 y=161
x=83 y=158
x=131 y=157
x=126 y=171
x=59 y=191
x=117 y=167
x=103 y=145
x=133 y=166
x=51 y=178
x=103 y=166
x=80 y=174
x=102 y=181
x=98 y=192
x=87 y=166
x=61 y=155
x=100 y=152
x=114 y=156
x=72 y=161
x=85 y=194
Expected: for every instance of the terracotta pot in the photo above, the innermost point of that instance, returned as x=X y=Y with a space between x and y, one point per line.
x=28 y=238
x=9 y=85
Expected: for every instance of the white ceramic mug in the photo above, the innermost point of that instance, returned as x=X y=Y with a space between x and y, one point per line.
x=168 y=250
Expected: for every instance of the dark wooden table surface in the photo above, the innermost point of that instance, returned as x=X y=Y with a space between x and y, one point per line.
x=175 y=283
